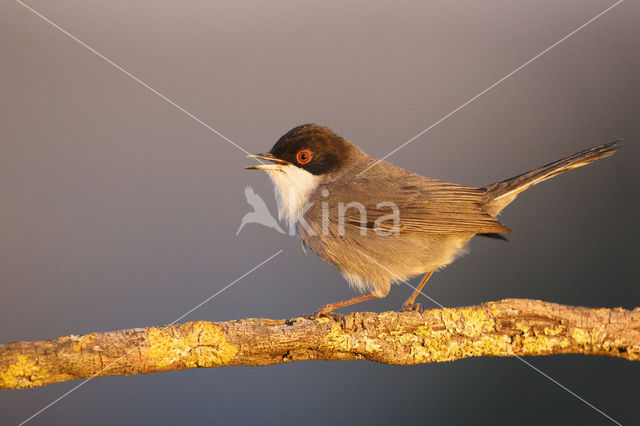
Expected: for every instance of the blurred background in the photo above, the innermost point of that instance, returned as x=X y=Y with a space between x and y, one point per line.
x=120 y=211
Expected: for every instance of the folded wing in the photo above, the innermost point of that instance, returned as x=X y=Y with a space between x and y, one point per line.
x=424 y=205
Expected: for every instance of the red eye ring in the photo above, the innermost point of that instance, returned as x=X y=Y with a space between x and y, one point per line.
x=304 y=156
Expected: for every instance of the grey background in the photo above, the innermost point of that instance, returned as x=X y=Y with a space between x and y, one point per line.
x=119 y=211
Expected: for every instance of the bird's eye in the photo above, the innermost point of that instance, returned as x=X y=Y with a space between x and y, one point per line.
x=303 y=156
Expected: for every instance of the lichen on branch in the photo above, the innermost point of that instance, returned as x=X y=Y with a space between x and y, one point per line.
x=505 y=328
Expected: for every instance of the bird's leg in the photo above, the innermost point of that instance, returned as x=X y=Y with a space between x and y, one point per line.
x=331 y=306
x=410 y=304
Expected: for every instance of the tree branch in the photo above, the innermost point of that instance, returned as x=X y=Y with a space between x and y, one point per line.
x=505 y=328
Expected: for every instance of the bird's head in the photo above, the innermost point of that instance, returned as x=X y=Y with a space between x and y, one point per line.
x=315 y=149
x=303 y=158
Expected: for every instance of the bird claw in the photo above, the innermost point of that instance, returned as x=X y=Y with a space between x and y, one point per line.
x=324 y=311
x=313 y=316
x=412 y=307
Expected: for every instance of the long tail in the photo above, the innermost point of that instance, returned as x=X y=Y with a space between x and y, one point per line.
x=500 y=194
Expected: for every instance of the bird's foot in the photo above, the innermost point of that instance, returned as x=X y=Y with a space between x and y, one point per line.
x=324 y=311
x=412 y=307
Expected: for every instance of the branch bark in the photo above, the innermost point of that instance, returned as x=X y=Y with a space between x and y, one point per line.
x=505 y=328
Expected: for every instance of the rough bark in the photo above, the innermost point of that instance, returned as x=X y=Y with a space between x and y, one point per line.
x=505 y=328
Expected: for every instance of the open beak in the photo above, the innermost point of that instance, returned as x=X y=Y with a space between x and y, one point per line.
x=278 y=163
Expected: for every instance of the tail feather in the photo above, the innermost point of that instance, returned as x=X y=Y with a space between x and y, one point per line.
x=500 y=194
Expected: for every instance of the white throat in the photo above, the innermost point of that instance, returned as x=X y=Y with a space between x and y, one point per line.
x=293 y=187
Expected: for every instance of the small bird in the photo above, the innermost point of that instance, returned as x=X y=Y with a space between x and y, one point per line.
x=380 y=224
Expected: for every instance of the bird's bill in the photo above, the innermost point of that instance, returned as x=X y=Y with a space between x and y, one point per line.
x=278 y=163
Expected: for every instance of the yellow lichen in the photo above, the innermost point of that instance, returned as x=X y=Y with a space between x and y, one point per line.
x=24 y=373
x=337 y=339
x=554 y=331
x=468 y=321
x=536 y=341
x=195 y=344
x=581 y=336
x=371 y=345
x=82 y=341
x=476 y=331
x=440 y=346
x=387 y=314
x=539 y=344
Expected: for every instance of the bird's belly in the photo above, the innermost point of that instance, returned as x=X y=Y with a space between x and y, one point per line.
x=372 y=262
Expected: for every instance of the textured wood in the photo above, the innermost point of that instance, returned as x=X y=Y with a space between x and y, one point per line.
x=505 y=328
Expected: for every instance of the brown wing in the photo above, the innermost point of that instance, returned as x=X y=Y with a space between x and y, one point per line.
x=425 y=205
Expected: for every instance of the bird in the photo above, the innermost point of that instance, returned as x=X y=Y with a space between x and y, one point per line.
x=260 y=213
x=380 y=224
